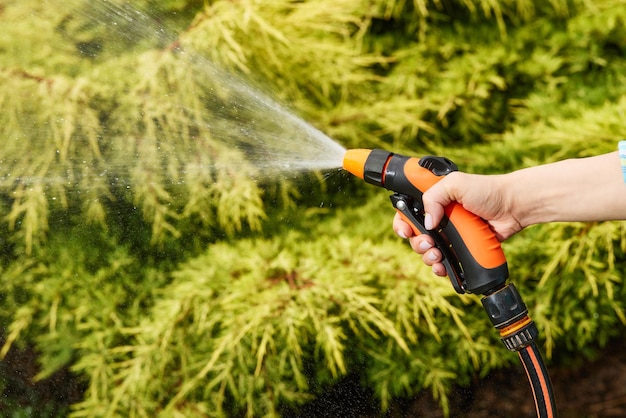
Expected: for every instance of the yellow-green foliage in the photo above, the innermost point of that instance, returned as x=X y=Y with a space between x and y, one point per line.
x=145 y=250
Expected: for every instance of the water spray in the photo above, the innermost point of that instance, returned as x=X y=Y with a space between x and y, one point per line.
x=472 y=254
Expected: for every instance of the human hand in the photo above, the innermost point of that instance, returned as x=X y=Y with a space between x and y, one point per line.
x=485 y=196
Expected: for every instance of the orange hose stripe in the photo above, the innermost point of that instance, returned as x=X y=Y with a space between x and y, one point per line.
x=532 y=387
x=542 y=380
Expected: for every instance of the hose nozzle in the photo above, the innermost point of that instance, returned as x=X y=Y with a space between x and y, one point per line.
x=367 y=164
x=354 y=161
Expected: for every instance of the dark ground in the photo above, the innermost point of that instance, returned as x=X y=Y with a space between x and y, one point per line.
x=594 y=389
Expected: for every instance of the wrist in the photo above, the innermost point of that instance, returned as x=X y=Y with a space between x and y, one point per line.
x=521 y=198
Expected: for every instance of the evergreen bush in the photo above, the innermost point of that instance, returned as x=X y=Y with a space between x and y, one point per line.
x=150 y=249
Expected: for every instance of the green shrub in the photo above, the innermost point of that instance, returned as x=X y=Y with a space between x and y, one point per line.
x=151 y=247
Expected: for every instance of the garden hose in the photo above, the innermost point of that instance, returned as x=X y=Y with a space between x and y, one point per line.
x=539 y=381
x=518 y=332
x=472 y=254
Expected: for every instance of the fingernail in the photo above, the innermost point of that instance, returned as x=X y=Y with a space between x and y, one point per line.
x=425 y=245
x=428 y=222
x=401 y=234
x=432 y=256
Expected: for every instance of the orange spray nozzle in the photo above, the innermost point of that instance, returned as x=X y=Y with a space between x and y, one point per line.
x=354 y=161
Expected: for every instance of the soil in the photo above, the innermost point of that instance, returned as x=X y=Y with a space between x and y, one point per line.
x=594 y=389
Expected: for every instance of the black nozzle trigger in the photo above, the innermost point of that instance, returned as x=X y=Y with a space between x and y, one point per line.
x=439 y=166
x=413 y=211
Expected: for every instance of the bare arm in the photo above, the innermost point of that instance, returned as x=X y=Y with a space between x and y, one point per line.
x=585 y=189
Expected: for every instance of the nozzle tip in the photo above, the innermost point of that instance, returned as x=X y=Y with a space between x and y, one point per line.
x=354 y=161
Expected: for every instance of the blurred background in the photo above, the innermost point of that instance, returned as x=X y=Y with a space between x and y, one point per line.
x=178 y=240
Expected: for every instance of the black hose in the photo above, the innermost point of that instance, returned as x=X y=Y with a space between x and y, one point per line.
x=539 y=381
x=518 y=332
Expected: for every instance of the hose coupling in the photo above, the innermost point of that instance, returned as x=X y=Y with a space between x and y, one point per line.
x=509 y=316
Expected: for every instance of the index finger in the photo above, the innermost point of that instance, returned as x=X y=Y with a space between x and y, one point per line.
x=402 y=228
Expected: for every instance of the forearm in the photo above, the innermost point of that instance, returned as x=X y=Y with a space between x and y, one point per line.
x=585 y=189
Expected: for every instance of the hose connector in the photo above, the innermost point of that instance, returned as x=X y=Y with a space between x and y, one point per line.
x=509 y=316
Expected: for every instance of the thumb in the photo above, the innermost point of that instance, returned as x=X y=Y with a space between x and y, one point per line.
x=436 y=199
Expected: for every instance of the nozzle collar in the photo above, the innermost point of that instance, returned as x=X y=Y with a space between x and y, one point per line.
x=374 y=169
